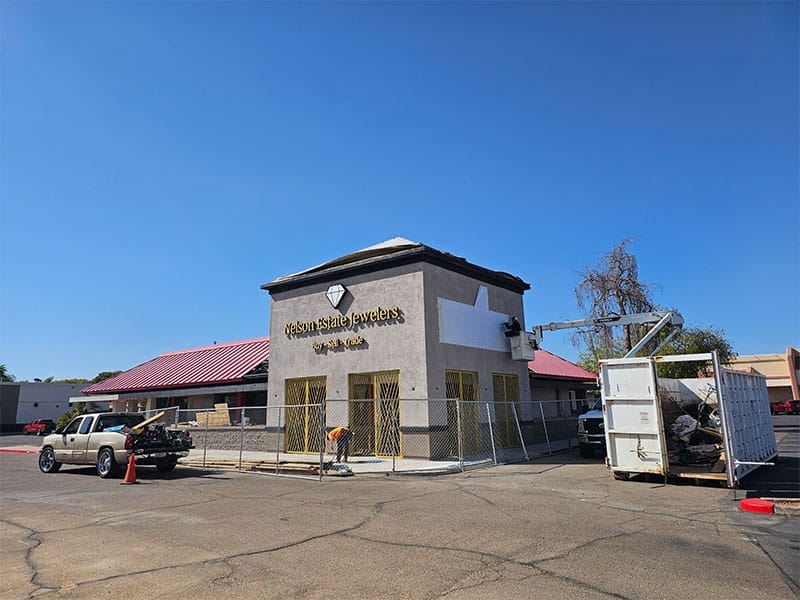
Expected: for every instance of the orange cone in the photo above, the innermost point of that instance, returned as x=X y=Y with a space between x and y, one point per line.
x=130 y=474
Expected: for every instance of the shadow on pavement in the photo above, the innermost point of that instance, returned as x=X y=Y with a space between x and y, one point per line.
x=779 y=481
x=146 y=472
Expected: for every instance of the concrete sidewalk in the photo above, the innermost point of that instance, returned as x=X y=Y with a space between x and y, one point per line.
x=372 y=464
x=212 y=458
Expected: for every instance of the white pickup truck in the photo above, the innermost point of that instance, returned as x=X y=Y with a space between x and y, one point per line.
x=591 y=431
x=108 y=439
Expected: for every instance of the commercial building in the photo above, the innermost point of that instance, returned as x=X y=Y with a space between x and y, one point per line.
x=782 y=371
x=23 y=402
x=233 y=373
x=398 y=321
x=387 y=340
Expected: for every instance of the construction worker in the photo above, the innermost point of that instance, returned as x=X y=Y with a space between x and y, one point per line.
x=342 y=437
x=513 y=327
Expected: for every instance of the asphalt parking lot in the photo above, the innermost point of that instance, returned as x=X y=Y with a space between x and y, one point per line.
x=558 y=527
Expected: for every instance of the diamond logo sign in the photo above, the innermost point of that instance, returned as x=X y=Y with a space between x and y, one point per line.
x=335 y=294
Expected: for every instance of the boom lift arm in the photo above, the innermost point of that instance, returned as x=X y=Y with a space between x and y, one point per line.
x=659 y=319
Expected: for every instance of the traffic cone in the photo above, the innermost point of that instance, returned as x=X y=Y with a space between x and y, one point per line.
x=130 y=474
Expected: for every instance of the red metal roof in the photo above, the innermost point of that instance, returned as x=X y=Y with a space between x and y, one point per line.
x=209 y=365
x=548 y=364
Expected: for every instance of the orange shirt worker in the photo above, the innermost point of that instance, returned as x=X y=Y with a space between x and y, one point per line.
x=342 y=437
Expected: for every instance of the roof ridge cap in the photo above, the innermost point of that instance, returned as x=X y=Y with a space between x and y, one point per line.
x=213 y=346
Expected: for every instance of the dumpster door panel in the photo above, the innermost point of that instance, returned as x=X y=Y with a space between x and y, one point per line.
x=635 y=438
x=747 y=426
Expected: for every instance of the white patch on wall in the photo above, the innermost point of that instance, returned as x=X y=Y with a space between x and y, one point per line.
x=474 y=326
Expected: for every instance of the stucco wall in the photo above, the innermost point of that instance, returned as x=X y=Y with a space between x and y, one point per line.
x=39 y=400
x=390 y=344
x=481 y=345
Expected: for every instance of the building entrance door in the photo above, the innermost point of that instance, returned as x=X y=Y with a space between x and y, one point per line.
x=374 y=411
x=304 y=398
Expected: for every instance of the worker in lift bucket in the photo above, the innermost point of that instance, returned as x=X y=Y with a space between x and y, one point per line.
x=513 y=327
x=341 y=436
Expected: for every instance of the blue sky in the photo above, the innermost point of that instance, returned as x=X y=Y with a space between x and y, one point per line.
x=159 y=161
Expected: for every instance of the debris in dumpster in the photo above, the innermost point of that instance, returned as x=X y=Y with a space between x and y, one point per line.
x=693 y=420
x=684 y=426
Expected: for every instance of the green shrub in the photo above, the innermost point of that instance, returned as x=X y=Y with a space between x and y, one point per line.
x=73 y=412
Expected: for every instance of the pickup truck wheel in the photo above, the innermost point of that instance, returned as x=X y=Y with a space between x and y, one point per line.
x=48 y=462
x=166 y=466
x=106 y=465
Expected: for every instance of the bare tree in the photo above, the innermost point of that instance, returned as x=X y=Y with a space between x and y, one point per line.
x=612 y=287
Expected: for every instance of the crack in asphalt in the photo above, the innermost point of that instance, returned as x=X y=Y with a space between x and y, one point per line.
x=31 y=536
x=484 y=557
x=504 y=560
x=486 y=475
x=122 y=515
x=490 y=561
x=787 y=578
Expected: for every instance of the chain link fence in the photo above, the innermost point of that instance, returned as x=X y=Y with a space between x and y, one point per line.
x=388 y=434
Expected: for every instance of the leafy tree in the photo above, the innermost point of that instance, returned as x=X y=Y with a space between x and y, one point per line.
x=73 y=412
x=590 y=358
x=5 y=375
x=696 y=341
x=103 y=375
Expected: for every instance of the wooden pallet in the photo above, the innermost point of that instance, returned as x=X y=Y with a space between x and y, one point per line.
x=264 y=466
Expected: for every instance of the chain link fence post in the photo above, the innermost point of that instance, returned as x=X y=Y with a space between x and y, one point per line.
x=241 y=436
x=205 y=439
x=459 y=432
x=395 y=437
x=491 y=433
x=278 y=439
x=544 y=426
x=322 y=408
x=519 y=431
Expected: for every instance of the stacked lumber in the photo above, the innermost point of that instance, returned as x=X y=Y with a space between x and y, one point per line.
x=219 y=417
x=264 y=466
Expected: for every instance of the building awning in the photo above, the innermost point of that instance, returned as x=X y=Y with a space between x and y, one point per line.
x=99 y=398
x=549 y=365
x=218 y=364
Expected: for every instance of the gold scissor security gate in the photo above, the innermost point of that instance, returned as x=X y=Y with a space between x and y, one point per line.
x=506 y=398
x=304 y=398
x=374 y=413
x=462 y=417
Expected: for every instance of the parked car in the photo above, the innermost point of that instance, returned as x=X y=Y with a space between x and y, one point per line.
x=786 y=407
x=39 y=427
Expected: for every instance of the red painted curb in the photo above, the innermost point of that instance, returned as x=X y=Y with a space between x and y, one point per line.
x=19 y=450
x=757 y=505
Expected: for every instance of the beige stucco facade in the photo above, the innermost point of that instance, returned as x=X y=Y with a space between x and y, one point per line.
x=409 y=311
x=782 y=371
